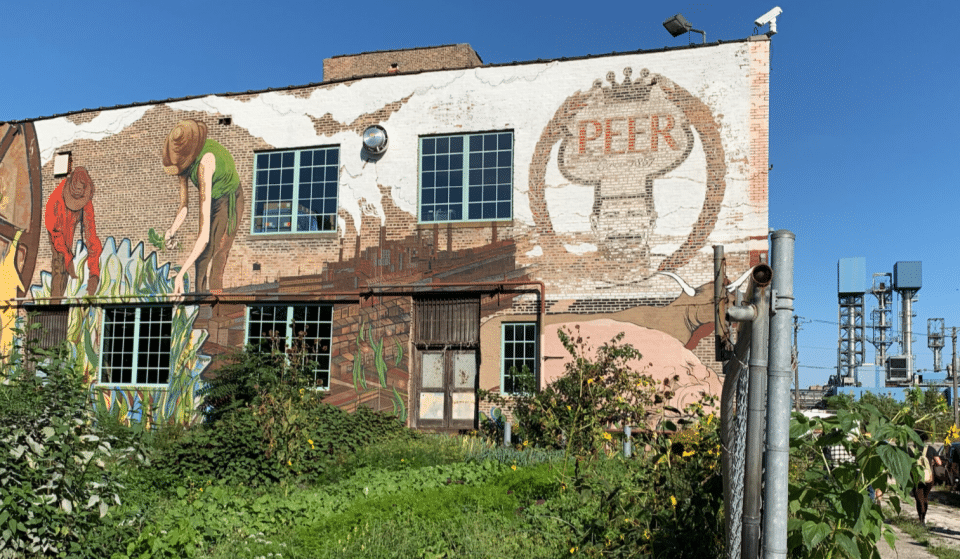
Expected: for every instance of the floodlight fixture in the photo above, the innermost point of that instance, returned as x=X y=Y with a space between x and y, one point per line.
x=678 y=25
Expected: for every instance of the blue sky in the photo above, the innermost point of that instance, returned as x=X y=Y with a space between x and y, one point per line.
x=863 y=101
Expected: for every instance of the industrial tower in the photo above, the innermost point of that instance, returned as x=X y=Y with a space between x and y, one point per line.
x=850 y=289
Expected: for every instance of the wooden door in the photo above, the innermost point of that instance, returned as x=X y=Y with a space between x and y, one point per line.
x=447 y=396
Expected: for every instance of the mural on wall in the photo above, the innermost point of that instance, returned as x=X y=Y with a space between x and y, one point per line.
x=191 y=156
x=622 y=260
x=618 y=139
x=128 y=276
x=20 y=216
x=71 y=205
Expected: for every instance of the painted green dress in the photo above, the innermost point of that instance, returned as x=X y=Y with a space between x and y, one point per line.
x=227 y=196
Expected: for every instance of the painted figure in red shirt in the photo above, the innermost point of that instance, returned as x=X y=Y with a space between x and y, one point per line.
x=70 y=204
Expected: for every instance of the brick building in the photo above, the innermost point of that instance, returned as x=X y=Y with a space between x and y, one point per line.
x=422 y=221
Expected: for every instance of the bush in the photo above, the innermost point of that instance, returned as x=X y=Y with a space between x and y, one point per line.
x=58 y=471
x=282 y=439
x=575 y=411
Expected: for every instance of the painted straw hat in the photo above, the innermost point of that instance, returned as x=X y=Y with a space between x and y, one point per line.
x=183 y=145
x=78 y=189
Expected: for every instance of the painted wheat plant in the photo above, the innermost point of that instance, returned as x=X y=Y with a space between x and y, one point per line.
x=129 y=277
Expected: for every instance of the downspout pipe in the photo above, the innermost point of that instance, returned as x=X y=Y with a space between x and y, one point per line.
x=776 y=498
x=756 y=403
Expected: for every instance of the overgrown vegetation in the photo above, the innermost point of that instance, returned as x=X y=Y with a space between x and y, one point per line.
x=59 y=473
x=831 y=510
x=275 y=470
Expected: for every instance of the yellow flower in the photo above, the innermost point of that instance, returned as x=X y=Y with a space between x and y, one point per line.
x=607 y=436
x=646 y=534
x=688 y=453
x=573 y=550
x=514 y=467
x=524 y=443
x=201 y=490
x=310 y=441
x=590 y=381
x=673 y=501
x=568 y=408
x=289 y=463
x=403 y=459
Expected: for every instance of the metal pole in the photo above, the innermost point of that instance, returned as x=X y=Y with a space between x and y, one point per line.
x=776 y=499
x=756 y=402
x=953 y=374
x=507 y=437
x=796 y=364
x=627 y=450
x=719 y=328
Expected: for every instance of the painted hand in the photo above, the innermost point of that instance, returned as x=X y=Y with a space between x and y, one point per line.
x=178 y=286
x=168 y=239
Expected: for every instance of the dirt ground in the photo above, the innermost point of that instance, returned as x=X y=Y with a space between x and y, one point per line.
x=943 y=522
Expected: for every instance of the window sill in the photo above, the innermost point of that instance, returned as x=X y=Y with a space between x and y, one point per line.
x=112 y=386
x=295 y=236
x=465 y=224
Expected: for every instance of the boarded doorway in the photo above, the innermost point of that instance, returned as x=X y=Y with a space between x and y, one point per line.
x=447 y=338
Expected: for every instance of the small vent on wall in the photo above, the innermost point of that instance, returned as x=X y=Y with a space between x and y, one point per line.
x=394 y=68
x=61 y=164
x=225 y=121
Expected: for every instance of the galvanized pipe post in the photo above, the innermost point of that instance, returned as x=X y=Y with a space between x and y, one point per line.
x=776 y=499
x=756 y=402
x=627 y=449
x=507 y=437
x=953 y=375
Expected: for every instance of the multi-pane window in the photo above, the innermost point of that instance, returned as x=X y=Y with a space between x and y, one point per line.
x=466 y=177
x=295 y=191
x=136 y=345
x=303 y=328
x=519 y=356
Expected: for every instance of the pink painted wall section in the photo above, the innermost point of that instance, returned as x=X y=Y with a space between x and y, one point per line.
x=663 y=357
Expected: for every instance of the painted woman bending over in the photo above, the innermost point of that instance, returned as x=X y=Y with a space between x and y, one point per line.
x=190 y=156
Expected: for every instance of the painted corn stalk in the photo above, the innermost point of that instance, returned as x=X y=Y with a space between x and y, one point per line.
x=129 y=277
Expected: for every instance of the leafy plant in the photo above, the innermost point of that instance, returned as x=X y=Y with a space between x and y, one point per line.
x=57 y=468
x=593 y=395
x=831 y=511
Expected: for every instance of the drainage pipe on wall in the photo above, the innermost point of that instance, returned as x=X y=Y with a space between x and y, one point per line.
x=756 y=404
x=776 y=498
x=755 y=315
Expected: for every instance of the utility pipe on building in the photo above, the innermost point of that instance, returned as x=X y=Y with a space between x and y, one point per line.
x=757 y=313
x=776 y=498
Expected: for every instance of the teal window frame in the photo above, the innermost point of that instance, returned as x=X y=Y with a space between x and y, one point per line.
x=323 y=324
x=293 y=181
x=141 y=343
x=466 y=177
x=528 y=344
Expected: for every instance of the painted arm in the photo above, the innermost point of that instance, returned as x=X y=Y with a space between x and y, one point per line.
x=181 y=213
x=205 y=175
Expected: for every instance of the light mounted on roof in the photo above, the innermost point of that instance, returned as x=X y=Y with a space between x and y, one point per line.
x=678 y=25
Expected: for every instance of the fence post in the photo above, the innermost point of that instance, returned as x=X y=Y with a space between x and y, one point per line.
x=507 y=438
x=627 y=451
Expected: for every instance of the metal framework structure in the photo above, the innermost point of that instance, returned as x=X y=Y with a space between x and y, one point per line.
x=936 y=337
x=881 y=318
x=850 y=353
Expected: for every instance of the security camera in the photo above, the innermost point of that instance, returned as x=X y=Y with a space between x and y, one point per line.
x=768 y=17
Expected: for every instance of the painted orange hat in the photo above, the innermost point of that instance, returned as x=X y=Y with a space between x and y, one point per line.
x=183 y=145
x=78 y=189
